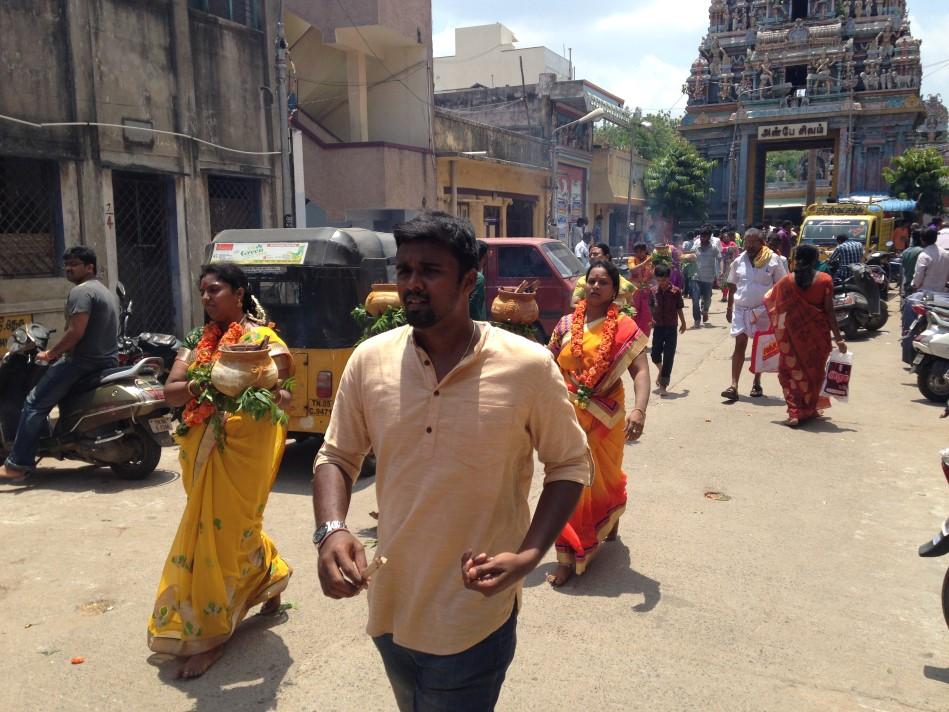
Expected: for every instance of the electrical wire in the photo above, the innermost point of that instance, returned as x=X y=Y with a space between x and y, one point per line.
x=99 y=124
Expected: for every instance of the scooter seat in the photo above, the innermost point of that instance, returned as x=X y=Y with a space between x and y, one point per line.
x=94 y=380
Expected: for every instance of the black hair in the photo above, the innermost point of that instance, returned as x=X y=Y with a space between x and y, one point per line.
x=915 y=237
x=234 y=277
x=482 y=249
x=457 y=234
x=806 y=258
x=611 y=270
x=662 y=271
x=605 y=249
x=929 y=237
x=639 y=246
x=581 y=222
x=84 y=254
x=842 y=238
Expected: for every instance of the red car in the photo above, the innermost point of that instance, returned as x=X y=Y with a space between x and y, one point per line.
x=511 y=260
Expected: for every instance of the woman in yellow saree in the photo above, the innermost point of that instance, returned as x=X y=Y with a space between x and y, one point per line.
x=594 y=346
x=221 y=563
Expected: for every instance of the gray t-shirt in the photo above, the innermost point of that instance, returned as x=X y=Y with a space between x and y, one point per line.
x=100 y=344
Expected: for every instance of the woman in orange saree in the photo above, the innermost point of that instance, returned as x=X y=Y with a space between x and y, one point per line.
x=594 y=346
x=801 y=307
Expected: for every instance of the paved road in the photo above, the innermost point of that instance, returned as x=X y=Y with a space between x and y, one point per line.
x=801 y=592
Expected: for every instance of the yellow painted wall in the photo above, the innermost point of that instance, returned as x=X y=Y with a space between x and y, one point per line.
x=489 y=177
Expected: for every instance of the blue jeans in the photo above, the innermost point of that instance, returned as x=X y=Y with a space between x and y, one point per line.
x=703 y=291
x=59 y=378
x=469 y=681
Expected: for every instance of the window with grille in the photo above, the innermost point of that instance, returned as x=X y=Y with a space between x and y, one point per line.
x=29 y=243
x=234 y=203
x=246 y=12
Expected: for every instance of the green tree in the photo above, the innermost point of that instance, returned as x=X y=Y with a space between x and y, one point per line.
x=651 y=142
x=919 y=174
x=678 y=183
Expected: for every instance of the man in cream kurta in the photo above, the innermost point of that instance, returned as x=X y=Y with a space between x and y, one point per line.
x=454 y=441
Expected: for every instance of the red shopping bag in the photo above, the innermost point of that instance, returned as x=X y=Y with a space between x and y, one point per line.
x=765 y=353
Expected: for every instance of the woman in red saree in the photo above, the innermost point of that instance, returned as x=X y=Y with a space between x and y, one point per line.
x=801 y=307
x=594 y=346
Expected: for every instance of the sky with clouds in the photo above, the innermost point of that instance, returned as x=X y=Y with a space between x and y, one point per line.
x=641 y=50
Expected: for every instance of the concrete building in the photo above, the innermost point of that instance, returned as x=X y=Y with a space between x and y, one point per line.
x=485 y=55
x=363 y=91
x=611 y=188
x=498 y=179
x=541 y=110
x=170 y=139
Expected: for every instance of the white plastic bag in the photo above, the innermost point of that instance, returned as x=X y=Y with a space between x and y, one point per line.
x=837 y=375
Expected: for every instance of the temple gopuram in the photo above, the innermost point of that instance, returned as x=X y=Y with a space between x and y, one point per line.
x=802 y=101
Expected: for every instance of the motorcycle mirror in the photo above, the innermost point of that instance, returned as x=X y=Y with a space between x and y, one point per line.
x=120 y=290
x=890 y=244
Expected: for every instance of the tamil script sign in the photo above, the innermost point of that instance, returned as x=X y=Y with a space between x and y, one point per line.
x=260 y=253
x=776 y=132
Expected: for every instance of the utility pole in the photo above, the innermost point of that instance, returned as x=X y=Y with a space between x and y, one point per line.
x=284 y=119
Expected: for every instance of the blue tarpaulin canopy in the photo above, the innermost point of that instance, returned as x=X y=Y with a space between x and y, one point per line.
x=888 y=203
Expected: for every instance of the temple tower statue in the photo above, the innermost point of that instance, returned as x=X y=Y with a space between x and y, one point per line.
x=839 y=79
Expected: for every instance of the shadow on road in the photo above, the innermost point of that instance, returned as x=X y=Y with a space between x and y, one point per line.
x=249 y=675
x=296 y=469
x=761 y=401
x=90 y=478
x=818 y=425
x=672 y=395
x=611 y=575
x=937 y=674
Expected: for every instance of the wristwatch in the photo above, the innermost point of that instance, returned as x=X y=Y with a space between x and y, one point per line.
x=327 y=528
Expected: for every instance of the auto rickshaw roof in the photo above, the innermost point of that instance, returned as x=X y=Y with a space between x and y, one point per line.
x=314 y=246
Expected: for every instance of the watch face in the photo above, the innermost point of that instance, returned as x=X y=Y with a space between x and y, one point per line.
x=320 y=533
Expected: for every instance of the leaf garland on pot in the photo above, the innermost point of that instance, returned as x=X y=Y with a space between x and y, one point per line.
x=213 y=406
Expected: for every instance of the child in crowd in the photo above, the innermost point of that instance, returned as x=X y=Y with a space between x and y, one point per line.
x=667 y=309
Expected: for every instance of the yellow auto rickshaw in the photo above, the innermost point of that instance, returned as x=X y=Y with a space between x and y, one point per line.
x=309 y=280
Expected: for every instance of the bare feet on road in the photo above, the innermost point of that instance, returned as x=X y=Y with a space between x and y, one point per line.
x=560 y=576
x=197 y=665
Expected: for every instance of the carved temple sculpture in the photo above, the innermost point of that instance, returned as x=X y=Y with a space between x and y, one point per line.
x=835 y=79
x=758 y=50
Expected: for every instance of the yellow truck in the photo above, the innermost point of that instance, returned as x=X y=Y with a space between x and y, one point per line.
x=864 y=222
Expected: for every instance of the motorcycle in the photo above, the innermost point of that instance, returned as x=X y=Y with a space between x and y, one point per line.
x=938 y=302
x=133 y=349
x=116 y=418
x=931 y=364
x=857 y=300
x=939 y=545
x=890 y=266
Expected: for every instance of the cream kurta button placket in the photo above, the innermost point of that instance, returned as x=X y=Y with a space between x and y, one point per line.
x=430 y=434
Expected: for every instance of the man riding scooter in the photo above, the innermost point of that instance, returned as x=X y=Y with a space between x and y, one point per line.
x=848 y=252
x=90 y=344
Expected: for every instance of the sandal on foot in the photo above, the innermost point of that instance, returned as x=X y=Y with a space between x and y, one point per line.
x=792 y=422
x=730 y=394
x=756 y=391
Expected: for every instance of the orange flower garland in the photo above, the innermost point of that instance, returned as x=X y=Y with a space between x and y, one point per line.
x=207 y=352
x=588 y=379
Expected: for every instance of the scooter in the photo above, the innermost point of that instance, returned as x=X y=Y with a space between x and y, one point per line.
x=857 y=301
x=133 y=349
x=939 y=546
x=931 y=364
x=116 y=418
